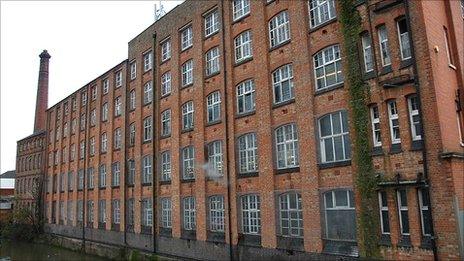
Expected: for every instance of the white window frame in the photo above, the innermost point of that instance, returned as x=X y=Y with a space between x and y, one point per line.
x=133 y=70
x=116 y=211
x=243 y=46
x=211 y=22
x=335 y=207
x=375 y=126
x=116 y=174
x=403 y=39
x=287 y=146
x=402 y=208
x=147 y=129
x=216 y=213
x=132 y=100
x=166 y=165
x=187 y=115
x=118 y=79
x=321 y=63
x=189 y=215
x=240 y=8
x=215 y=160
x=131 y=172
x=368 y=56
x=383 y=209
x=90 y=211
x=248 y=153
x=102 y=210
x=283 y=77
x=383 y=45
x=187 y=73
x=105 y=86
x=246 y=97
x=414 y=111
x=81 y=152
x=188 y=163
x=104 y=142
x=93 y=118
x=213 y=107
x=344 y=134
x=251 y=216
x=147 y=93
x=166 y=213
x=104 y=115
x=118 y=106
x=166 y=123
x=102 y=176
x=285 y=207
x=423 y=208
x=132 y=134
x=165 y=50
x=92 y=146
x=147 y=213
x=392 y=117
x=90 y=178
x=147 y=61
x=166 y=83
x=186 y=37
x=279 y=29
x=94 y=95
x=212 y=61
x=147 y=170
x=321 y=11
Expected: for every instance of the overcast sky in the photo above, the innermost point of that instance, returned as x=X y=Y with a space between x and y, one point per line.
x=85 y=39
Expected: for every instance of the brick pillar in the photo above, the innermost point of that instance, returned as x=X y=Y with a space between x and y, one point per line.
x=42 y=93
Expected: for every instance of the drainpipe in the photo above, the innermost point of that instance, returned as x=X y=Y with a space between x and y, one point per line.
x=424 y=150
x=154 y=143
x=126 y=169
x=84 y=189
x=226 y=100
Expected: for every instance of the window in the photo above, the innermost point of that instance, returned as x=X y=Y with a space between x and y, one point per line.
x=215 y=158
x=291 y=215
x=116 y=212
x=117 y=106
x=104 y=113
x=83 y=98
x=102 y=211
x=81 y=152
x=166 y=123
x=73 y=127
x=251 y=217
x=118 y=79
x=286 y=138
x=92 y=146
x=334 y=137
x=130 y=213
x=243 y=48
x=187 y=73
x=166 y=83
x=186 y=37
x=147 y=93
x=90 y=209
x=187 y=116
x=367 y=52
x=212 y=61
x=384 y=218
x=328 y=67
x=80 y=179
x=394 y=122
x=93 y=117
x=403 y=37
x=340 y=216
x=132 y=101
x=132 y=134
x=211 y=23
x=80 y=210
x=90 y=178
x=116 y=169
x=166 y=166
x=165 y=50
x=104 y=142
x=282 y=83
x=147 y=61
x=240 y=8
x=147 y=213
x=82 y=122
x=105 y=86
x=384 y=49
x=375 y=125
x=213 y=103
x=133 y=70
x=58 y=132
x=131 y=168
x=147 y=133
x=65 y=129
x=117 y=138
x=189 y=216
x=61 y=182
x=279 y=29
x=216 y=213
x=403 y=211
x=248 y=153
x=73 y=152
x=166 y=220
x=70 y=181
x=74 y=103
x=102 y=179
x=321 y=11
x=414 y=118
x=449 y=53
x=94 y=92
x=246 y=97
x=424 y=207
x=69 y=212
x=188 y=163
x=147 y=169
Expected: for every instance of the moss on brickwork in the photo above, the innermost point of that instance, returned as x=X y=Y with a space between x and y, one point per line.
x=366 y=182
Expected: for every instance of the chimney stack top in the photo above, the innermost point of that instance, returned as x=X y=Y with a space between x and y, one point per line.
x=45 y=55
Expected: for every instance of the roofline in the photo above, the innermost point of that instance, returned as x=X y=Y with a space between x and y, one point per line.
x=32 y=135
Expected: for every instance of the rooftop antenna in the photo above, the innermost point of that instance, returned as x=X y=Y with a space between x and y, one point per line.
x=159 y=11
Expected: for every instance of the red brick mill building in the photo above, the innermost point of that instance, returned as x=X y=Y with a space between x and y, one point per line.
x=229 y=134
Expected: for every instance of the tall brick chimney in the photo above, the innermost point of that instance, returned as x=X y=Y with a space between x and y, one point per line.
x=42 y=93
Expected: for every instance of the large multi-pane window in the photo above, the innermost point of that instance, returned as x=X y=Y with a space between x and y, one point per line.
x=104 y=142
x=246 y=97
x=403 y=211
x=147 y=93
x=414 y=118
x=334 y=137
x=133 y=70
x=187 y=115
x=116 y=215
x=340 y=215
x=166 y=166
x=147 y=169
x=367 y=52
x=118 y=79
x=383 y=45
x=321 y=11
x=147 y=213
x=130 y=213
x=104 y=112
x=102 y=211
x=243 y=46
x=102 y=176
x=188 y=163
x=424 y=208
x=132 y=134
x=166 y=83
x=375 y=126
x=90 y=210
x=80 y=179
x=92 y=146
x=69 y=211
x=80 y=210
x=187 y=73
x=384 y=217
x=291 y=214
x=216 y=213
x=240 y=8
x=147 y=131
x=116 y=174
x=248 y=153
x=286 y=138
x=82 y=122
x=117 y=138
x=117 y=106
x=213 y=104
x=81 y=152
x=212 y=61
x=282 y=82
x=166 y=50
x=131 y=174
x=211 y=23
x=189 y=216
x=90 y=178
x=394 y=122
x=215 y=157
x=403 y=37
x=105 y=86
x=93 y=119
x=166 y=219
x=132 y=100
x=251 y=217
x=186 y=37
x=166 y=123
x=70 y=180
x=147 y=61
x=328 y=67
x=279 y=29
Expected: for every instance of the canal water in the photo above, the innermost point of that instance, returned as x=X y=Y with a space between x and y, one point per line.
x=22 y=251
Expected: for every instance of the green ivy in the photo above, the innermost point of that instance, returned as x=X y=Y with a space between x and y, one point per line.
x=366 y=181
